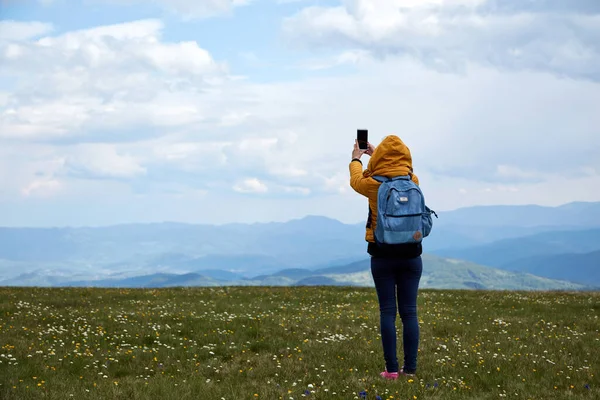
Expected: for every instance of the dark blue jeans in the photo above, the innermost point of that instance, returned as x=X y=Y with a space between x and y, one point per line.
x=398 y=280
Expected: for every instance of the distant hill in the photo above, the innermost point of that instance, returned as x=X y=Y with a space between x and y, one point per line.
x=578 y=214
x=320 y=281
x=214 y=262
x=142 y=281
x=503 y=252
x=295 y=273
x=456 y=237
x=441 y=273
x=579 y=268
x=280 y=252
x=246 y=249
x=444 y=273
x=473 y=226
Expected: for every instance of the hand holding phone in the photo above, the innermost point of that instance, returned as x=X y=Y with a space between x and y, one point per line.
x=356 y=152
x=370 y=150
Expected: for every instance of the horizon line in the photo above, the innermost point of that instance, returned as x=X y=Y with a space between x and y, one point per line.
x=306 y=216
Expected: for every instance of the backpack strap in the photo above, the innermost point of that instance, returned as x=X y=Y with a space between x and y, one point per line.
x=396 y=178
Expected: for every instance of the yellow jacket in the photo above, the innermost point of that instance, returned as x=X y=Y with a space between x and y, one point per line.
x=390 y=159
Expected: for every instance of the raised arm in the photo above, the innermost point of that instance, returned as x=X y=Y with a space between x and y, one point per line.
x=358 y=182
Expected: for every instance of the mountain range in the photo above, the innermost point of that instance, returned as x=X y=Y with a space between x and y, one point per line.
x=439 y=273
x=513 y=247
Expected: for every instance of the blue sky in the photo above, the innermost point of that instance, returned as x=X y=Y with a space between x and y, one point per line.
x=242 y=111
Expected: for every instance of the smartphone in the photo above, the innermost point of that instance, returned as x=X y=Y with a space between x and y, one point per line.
x=362 y=135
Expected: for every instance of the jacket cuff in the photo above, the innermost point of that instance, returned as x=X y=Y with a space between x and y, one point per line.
x=356 y=159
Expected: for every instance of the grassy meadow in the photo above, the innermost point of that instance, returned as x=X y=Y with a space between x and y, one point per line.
x=292 y=343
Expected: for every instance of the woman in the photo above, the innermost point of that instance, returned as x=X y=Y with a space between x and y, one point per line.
x=396 y=269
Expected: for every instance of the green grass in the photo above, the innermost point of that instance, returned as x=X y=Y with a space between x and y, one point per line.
x=277 y=343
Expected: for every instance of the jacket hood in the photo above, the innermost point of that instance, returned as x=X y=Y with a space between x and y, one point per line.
x=391 y=158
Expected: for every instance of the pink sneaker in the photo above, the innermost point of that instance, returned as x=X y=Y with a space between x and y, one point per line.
x=404 y=373
x=389 y=375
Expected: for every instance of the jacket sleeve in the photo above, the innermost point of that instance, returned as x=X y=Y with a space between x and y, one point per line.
x=359 y=183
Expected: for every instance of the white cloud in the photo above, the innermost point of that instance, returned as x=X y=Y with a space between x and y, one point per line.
x=41 y=188
x=337 y=184
x=297 y=190
x=180 y=151
x=135 y=46
x=234 y=118
x=191 y=9
x=513 y=172
x=15 y=30
x=107 y=78
x=98 y=111
x=288 y=171
x=350 y=57
x=251 y=185
x=101 y=161
x=446 y=35
x=4 y=99
x=29 y=170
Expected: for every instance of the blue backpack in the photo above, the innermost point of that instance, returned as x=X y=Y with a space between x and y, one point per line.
x=402 y=216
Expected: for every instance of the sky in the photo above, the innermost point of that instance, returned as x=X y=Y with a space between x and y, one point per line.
x=219 y=111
